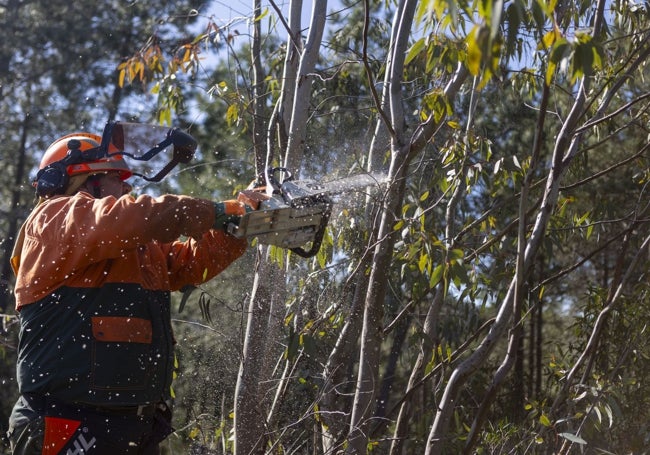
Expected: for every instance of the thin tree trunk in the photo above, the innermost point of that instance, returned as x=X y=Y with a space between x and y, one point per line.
x=249 y=418
x=401 y=156
x=249 y=421
x=388 y=379
x=337 y=372
x=400 y=434
x=539 y=340
x=268 y=288
x=299 y=113
x=514 y=351
x=14 y=216
x=586 y=358
x=566 y=147
x=258 y=97
x=430 y=339
x=372 y=333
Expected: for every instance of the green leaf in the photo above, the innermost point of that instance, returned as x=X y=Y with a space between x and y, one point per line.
x=456 y=254
x=459 y=274
x=323 y=254
x=262 y=15
x=430 y=365
x=422 y=263
x=559 y=52
x=436 y=276
x=485 y=9
x=582 y=219
x=573 y=438
x=292 y=346
x=550 y=38
x=232 y=114
x=474 y=53
x=415 y=50
x=544 y=420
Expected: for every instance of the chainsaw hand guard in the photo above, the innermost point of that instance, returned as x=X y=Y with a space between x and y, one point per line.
x=228 y=212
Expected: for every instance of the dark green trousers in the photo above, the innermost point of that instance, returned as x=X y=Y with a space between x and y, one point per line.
x=55 y=428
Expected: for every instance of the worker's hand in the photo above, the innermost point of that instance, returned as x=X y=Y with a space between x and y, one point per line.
x=227 y=212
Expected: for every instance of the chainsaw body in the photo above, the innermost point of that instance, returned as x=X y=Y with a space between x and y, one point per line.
x=290 y=214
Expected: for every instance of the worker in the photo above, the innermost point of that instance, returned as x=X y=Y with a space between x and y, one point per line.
x=94 y=269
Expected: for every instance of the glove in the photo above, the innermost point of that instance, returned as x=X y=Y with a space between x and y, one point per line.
x=227 y=212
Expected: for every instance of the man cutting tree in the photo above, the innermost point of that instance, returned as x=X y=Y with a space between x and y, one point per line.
x=94 y=270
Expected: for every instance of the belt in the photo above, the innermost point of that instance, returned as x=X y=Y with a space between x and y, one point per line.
x=41 y=403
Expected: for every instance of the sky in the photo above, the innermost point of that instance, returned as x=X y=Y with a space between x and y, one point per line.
x=236 y=11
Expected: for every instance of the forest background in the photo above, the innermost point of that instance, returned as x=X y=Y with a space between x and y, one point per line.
x=492 y=296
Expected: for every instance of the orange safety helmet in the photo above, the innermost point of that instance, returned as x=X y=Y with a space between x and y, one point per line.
x=58 y=164
x=59 y=149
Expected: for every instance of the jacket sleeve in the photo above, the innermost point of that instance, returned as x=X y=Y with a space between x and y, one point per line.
x=74 y=239
x=92 y=229
x=197 y=261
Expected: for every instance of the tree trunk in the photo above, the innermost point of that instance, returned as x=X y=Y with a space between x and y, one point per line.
x=258 y=90
x=300 y=111
x=388 y=378
x=13 y=218
x=250 y=420
x=564 y=151
x=268 y=288
x=372 y=330
x=429 y=330
x=335 y=404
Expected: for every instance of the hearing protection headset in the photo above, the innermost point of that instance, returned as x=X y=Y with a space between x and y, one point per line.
x=53 y=178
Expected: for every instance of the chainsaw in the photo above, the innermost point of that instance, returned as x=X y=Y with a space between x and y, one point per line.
x=292 y=213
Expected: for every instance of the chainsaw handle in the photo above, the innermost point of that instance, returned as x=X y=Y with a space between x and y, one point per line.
x=318 y=239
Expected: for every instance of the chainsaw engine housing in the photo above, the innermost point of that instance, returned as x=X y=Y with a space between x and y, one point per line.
x=293 y=215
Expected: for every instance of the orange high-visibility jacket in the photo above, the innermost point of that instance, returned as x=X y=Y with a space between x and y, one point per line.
x=93 y=282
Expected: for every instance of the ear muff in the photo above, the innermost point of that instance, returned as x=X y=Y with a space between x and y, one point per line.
x=52 y=179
